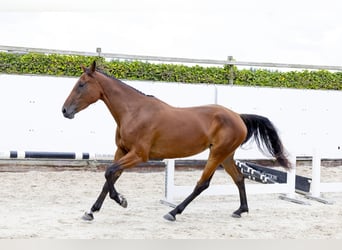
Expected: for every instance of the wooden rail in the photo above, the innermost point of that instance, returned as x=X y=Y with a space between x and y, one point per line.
x=229 y=61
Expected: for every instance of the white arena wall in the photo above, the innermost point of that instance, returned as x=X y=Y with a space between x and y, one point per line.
x=31 y=117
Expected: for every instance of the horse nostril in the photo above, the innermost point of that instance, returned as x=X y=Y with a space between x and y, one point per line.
x=64 y=110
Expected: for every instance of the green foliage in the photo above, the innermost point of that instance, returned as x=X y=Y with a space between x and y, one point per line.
x=321 y=79
x=32 y=63
x=68 y=65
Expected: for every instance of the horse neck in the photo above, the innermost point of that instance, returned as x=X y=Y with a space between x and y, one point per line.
x=121 y=99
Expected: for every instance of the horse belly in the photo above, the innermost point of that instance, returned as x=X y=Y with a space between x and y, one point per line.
x=178 y=146
x=184 y=132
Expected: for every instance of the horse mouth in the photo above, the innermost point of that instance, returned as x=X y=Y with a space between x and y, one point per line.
x=69 y=115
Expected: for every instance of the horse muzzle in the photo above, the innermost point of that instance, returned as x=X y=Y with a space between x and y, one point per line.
x=68 y=112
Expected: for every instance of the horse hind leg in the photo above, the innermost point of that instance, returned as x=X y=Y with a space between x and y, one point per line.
x=238 y=178
x=218 y=153
x=199 y=188
x=213 y=162
x=204 y=182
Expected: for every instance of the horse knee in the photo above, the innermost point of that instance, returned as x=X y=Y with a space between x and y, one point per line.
x=108 y=173
x=111 y=170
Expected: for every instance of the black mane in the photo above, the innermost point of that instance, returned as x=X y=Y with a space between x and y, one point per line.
x=121 y=82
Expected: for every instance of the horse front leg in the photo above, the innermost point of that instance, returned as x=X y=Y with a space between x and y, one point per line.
x=105 y=189
x=113 y=172
x=98 y=203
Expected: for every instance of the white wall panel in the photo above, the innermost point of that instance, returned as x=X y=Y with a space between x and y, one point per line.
x=31 y=117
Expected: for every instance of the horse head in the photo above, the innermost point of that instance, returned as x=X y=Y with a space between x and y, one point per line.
x=86 y=91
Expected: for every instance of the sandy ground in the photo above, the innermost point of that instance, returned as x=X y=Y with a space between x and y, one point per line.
x=40 y=204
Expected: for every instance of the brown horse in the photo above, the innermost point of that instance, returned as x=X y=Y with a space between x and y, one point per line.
x=148 y=128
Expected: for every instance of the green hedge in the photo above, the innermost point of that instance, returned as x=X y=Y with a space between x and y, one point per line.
x=32 y=63
x=64 y=65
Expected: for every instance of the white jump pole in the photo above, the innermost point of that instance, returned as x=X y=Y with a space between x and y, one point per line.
x=286 y=189
x=55 y=155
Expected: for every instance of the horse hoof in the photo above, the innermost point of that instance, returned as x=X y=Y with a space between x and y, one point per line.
x=237 y=213
x=234 y=215
x=88 y=216
x=123 y=201
x=169 y=217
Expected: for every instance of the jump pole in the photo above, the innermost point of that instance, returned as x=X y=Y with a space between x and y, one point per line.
x=287 y=190
x=49 y=155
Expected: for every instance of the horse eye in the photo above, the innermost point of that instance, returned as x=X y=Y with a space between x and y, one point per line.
x=81 y=84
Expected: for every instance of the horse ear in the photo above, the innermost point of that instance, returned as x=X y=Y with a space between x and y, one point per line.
x=92 y=67
x=84 y=68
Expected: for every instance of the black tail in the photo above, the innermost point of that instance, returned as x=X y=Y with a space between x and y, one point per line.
x=266 y=137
